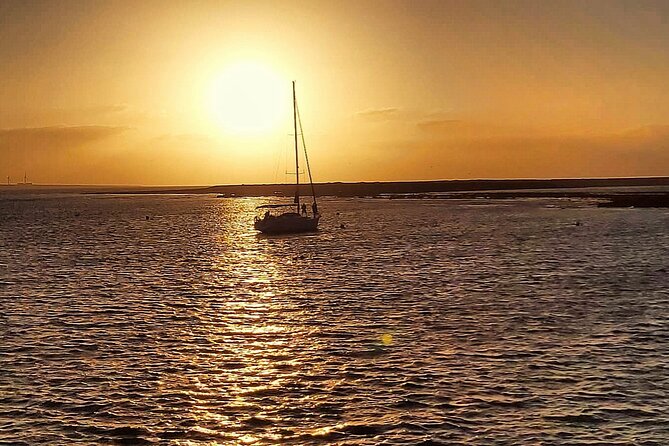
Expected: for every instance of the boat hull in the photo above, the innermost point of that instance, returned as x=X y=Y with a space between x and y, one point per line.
x=287 y=224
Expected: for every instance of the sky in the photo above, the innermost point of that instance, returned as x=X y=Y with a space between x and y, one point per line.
x=199 y=92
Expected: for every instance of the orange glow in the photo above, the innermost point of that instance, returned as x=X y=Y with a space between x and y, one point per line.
x=389 y=90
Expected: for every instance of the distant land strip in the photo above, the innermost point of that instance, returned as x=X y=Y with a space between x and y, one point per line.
x=451 y=189
x=370 y=189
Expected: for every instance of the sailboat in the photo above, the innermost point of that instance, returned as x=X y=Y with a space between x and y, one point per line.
x=299 y=220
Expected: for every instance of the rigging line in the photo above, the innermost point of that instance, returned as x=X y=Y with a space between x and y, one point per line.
x=297 y=158
x=306 y=157
x=285 y=165
x=278 y=166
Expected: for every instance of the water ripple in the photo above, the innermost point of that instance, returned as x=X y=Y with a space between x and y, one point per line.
x=420 y=322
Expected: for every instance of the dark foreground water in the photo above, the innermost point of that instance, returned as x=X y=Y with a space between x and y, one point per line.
x=420 y=322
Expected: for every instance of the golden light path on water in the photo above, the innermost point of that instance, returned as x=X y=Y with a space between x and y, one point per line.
x=168 y=320
x=251 y=329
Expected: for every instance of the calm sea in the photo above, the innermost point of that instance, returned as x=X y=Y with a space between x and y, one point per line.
x=168 y=320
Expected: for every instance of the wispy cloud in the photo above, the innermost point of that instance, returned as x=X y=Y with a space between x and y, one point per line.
x=440 y=125
x=379 y=114
x=55 y=136
x=103 y=109
x=105 y=114
x=642 y=151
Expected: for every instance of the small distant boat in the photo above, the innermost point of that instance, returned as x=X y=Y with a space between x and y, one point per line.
x=301 y=219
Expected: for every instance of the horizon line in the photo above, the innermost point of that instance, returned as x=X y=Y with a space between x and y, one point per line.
x=35 y=184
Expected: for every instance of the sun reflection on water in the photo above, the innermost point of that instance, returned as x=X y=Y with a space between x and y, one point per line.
x=249 y=335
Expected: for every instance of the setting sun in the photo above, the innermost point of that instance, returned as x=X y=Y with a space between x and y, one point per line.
x=249 y=98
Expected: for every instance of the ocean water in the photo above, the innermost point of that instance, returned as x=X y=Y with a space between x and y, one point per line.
x=168 y=320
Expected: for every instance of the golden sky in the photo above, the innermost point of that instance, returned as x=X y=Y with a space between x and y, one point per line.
x=165 y=93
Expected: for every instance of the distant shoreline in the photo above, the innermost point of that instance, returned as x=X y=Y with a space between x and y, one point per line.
x=368 y=189
x=441 y=189
x=454 y=189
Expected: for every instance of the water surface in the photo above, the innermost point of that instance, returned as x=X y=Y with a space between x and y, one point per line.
x=168 y=320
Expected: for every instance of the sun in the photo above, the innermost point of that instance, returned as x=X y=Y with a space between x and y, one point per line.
x=249 y=98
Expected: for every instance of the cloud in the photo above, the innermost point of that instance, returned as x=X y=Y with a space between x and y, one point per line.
x=103 y=114
x=642 y=151
x=54 y=137
x=98 y=110
x=440 y=125
x=406 y=121
x=379 y=114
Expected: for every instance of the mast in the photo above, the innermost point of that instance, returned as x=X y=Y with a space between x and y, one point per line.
x=297 y=163
x=306 y=157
